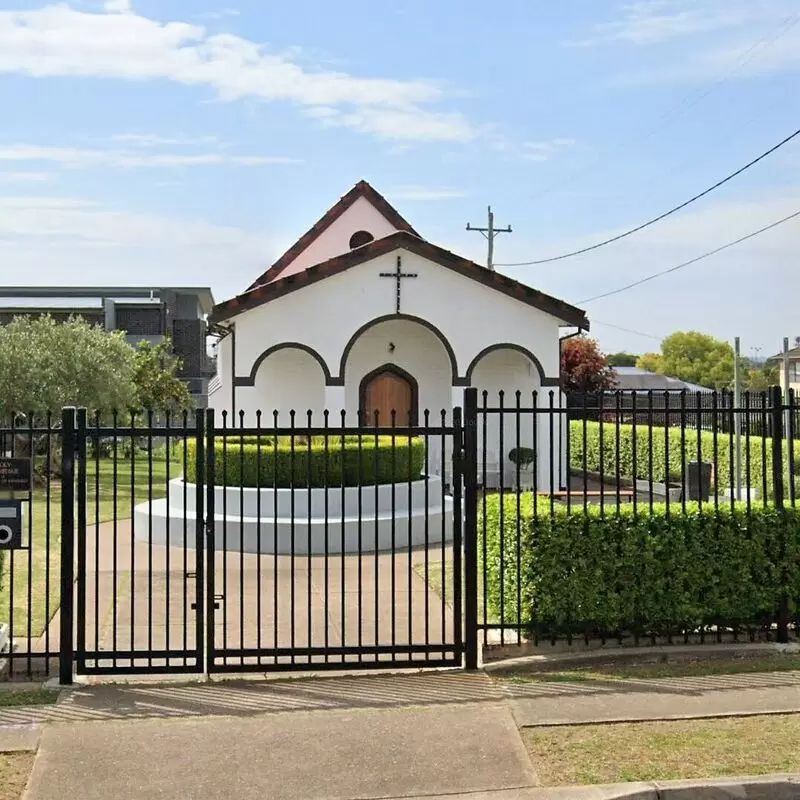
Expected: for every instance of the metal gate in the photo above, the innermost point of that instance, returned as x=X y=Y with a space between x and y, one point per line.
x=183 y=569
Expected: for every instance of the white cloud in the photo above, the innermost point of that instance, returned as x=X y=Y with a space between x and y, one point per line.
x=86 y=221
x=155 y=140
x=742 y=38
x=119 y=6
x=84 y=157
x=537 y=151
x=222 y=13
x=648 y=22
x=24 y=177
x=423 y=193
x=83 y=241
x=58 y=40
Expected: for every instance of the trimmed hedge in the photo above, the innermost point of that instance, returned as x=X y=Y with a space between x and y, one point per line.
x=346 y=461
x=669 y=452
x=651 y=572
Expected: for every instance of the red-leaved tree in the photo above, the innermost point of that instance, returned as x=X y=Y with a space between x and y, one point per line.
x=583 y=367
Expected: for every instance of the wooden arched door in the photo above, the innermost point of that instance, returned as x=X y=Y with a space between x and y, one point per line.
x=386 y=389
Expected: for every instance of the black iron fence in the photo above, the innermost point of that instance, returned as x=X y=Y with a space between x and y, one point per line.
x=651 y=522
x=30 y=574
x=197 y=543
x=209 y=545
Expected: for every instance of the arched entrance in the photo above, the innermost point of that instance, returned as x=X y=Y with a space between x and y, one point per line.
x=388 y=395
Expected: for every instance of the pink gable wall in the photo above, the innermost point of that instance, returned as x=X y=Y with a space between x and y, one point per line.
x=361 y=216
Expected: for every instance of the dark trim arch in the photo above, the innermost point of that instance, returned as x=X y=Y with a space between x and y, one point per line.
x=456 y=381
x=506 y=346
x=250 y=380
x=395 y=370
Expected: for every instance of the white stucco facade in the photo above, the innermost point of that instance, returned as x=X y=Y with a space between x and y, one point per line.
x=309 y=348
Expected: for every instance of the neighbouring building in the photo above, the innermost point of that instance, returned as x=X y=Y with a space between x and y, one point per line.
x=634 y=379
x=144 y=313
x=793 y=356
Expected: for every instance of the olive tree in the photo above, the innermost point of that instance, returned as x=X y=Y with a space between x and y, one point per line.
x=46 y=365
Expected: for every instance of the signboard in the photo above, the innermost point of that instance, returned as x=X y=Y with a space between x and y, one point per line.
x=10 y=524
x=15 y=474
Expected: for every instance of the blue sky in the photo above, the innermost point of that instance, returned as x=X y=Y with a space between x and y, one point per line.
x=177 y=142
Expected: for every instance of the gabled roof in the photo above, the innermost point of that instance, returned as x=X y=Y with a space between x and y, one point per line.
x=792 y=354
x=406 y=240
x=361 y=189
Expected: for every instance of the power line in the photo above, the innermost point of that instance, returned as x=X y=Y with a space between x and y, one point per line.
x=688 y=101
x=744 y=58
x=691 y=261
x=660 y=217
x=626 y=330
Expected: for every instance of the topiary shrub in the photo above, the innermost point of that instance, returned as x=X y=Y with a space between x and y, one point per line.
x=522 y=456
x=639 y=571
x=310 y=462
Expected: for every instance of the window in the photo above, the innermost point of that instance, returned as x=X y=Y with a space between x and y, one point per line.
x=360 y=238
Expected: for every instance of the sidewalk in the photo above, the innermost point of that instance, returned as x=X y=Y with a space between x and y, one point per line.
x=342 y=738
x=545 y=704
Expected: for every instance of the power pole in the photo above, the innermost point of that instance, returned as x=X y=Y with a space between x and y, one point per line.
x=489 y=233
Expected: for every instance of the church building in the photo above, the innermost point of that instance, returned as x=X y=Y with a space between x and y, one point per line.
x=363 y=314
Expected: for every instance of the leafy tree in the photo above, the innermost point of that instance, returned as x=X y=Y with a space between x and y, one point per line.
x=45 y=365
x=760 y=377
x=693 y=357
x=651 y=362
x=622 y=359
x=155 y=378
x=583 y=367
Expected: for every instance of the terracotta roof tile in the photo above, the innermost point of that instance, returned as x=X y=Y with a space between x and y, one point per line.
x=410 y=241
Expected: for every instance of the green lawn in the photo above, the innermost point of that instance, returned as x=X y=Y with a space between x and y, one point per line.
x=646 y=751
x=27 y=697
x=34 y=571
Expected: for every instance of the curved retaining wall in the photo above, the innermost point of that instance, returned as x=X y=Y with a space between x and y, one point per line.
x=302 y=521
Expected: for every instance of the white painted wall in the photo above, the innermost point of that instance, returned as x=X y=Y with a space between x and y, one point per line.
x=220 y=398
x=326 y=314
x=510 y=371
x=361 y=216
x=419 y=352
x=287 y=380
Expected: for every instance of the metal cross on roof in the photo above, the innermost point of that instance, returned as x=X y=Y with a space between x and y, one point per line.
x=398 y=275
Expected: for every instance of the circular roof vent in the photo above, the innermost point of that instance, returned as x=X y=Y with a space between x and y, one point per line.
x=360 y=238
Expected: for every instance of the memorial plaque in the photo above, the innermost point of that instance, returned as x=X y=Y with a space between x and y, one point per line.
x=15 y=474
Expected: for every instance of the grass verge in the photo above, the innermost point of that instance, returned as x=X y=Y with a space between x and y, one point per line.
x=685 y=668
x=10 y=698
x=645 y=751
x=15 y=769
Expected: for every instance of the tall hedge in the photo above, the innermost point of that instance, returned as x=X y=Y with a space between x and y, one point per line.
x=671 y=449
x=659 y=571
x=348 y=461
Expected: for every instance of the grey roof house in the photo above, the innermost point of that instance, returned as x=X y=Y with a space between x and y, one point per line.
x=634 y=379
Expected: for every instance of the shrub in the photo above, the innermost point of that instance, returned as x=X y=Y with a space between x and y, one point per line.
x=346 y=461
x=643 y=571
x=671 y=449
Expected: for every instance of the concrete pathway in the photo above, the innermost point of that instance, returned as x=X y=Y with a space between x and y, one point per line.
x=344 y=738
x=341 y=738
x=544 y=704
